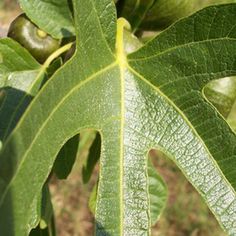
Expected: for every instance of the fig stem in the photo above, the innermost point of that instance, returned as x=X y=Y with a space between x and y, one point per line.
x=52 y=57
x=56 y=54
x=122 y=24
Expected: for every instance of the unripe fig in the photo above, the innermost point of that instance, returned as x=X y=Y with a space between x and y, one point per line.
x=40 y=44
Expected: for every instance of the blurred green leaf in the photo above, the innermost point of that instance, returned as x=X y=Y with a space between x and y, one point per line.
x=93 y=199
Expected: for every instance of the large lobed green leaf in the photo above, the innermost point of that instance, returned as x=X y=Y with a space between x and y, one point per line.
x=151 y=98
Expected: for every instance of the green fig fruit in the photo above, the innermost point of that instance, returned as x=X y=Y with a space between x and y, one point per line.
x=40 y=44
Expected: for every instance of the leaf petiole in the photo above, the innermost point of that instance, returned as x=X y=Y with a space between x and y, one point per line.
x=56 y=54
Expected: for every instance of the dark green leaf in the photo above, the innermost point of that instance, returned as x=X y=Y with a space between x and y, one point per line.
x=92 y=159
x=46 y=226
x=66 y=158
x=42 y=232
x=46 y=208
x=56 y=64
x=39 y=232
x=135 y=11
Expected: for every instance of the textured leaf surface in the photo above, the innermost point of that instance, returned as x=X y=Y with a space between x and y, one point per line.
x=149 y=99
x=53 y=16
x=157 y=191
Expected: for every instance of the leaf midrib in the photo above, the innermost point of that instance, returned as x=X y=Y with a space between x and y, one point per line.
x=122 y=61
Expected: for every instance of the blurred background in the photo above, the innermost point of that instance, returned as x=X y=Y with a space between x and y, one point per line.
x=185 y=215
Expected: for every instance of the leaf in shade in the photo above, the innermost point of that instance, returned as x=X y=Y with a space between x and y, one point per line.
x=42 y=232
x=21 y=77
x=66 y=158
x=92 y=159
x=39 y=232
x=56 y=64
x=46 y=215
x=135 y=11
